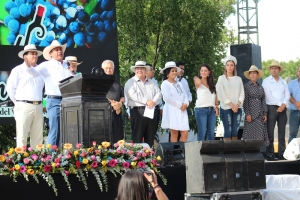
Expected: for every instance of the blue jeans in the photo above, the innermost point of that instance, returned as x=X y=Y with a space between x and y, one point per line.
x=53 y=111
x=294 y=122
x=206 y=122
x=231 y=122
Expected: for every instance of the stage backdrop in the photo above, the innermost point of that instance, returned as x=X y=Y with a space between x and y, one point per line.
x=88 y=27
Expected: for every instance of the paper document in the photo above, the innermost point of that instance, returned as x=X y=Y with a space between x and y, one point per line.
x=149 y=112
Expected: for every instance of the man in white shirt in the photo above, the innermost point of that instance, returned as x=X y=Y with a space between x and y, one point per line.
x=26 y=92
x=184 y=82
x=53 y=71
x=141 y=92
x=277 y=97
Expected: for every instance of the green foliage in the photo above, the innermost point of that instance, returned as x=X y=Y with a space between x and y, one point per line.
x=189 y=31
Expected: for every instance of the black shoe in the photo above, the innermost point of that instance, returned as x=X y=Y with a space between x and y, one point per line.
x=271 y=158
x=281 y=158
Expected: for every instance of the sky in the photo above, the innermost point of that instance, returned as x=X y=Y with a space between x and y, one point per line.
x=278 y=27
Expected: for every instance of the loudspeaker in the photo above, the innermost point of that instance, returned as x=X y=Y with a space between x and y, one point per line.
x=246 y=55
x=205 y=167
x=292 y=151
x=171 y=153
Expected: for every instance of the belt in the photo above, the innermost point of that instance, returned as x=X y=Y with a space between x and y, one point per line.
x=32 y=102
x=210 y=107
x=54 y=97
x=138 y=107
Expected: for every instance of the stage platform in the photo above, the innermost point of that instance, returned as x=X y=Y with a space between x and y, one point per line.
x=175 y=188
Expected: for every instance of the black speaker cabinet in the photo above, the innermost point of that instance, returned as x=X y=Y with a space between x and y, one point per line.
x=246 y=55
x=205 y=167
x=255 y=164
x=236 y=167
x=171 y=153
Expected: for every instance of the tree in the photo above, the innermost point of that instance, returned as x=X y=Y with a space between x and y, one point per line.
x=189 y=31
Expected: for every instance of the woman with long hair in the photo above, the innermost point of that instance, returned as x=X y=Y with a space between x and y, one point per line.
x=206 y=108
x=134 y=185
x=231 y=95
x=175 y=115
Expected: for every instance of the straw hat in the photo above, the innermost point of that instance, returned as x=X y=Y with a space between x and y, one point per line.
x=140 y=64
x=275 y=63
x=253 y=68
x=230 y=58
x=72 y=60
x=169 y=64
x=54 y=44
x=29 y=47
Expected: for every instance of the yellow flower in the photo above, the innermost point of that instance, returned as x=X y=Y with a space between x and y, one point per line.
x=53 y=164
x=121 y=143
x=147 y=151
x=17 y=167
x=127 y=145
x=158 y=158
x=133 y=164
x=48 y=146
x=105 y=145
x=103 y=162
x=85 y=161
x=25 y=154
x=68 y=146
x=90 y=149
x=39 y=146
x=2 y=158
x=30 y=171
x=88 y=167
x=75 y=153
x=99 y=147
x=11 y=149
x=19 y=150
x=9 y=153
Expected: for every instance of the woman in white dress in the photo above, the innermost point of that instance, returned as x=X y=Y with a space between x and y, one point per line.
x=176 y=101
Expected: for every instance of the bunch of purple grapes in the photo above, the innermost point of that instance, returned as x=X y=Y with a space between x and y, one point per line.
x=66 y=22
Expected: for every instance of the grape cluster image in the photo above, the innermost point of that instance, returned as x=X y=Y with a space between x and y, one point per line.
x=79 y=23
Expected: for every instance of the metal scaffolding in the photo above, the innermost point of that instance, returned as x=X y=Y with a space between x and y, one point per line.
x=247 y=21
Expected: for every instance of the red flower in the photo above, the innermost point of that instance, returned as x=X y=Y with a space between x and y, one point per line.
x=126 y=165
x=94 y=164
x=47 y=168
x=78 y=164
x=112 y=162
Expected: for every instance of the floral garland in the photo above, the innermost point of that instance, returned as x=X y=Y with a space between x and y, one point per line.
x=98 y=159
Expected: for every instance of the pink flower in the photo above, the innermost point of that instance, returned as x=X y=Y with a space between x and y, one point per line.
x=22 y=169
x=151 y=152
x=116 y=145
x=97 y=151
x=68 y=156
x=135 y=158
x=24 y=148
x=29 y=149
x=43 y=159
x=48 y=158
x=93 y=157
x=154 y=162
x=34 y=157
x=94 y=164
x=144 y=154
x=118 y=151
x=94 y=143
x=67 y=172
x=78 y=145
x=126 y=165
x=47 y=168
x=57 y=160
x=5 y=154
x=26 y=161
x=59 y=156
x=138 y=154
x=54 y=147
x=83 y=154
x=141 y=164
x=130 y=152
x=57 y=164
x=112 y=162
x=123 y=151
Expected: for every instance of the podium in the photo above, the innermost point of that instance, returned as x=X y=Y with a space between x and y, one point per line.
x=85 y=111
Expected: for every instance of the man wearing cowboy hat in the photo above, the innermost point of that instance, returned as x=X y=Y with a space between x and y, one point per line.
x=277 y=97
x=53 y=71
x=294 y=106
x=72 y=63
x=26 y=92
x=141 y=92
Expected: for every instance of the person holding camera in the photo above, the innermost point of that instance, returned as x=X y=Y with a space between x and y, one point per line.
x=206 y=108
x=134 y=185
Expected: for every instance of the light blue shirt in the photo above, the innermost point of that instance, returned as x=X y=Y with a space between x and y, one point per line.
x=294 y=88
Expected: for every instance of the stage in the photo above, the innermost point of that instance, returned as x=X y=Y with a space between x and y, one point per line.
x=175 y=188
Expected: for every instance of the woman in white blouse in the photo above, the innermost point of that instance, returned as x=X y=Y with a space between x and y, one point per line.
x=231 y=95
x=206 y=108
x=176 y=101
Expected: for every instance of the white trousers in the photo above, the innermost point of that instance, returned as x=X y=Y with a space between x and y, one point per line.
x=29 y=118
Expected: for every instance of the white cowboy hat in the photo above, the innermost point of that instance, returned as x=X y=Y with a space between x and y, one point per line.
x=140 y=64
x=275 y=63
x=253 y=68
x=29 y=47
x=54 y=44
x=72 y=59
x=230 y=58
x=169 y=64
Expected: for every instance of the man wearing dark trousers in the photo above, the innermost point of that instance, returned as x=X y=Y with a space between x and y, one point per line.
x=277 y=97
x=142 y=93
